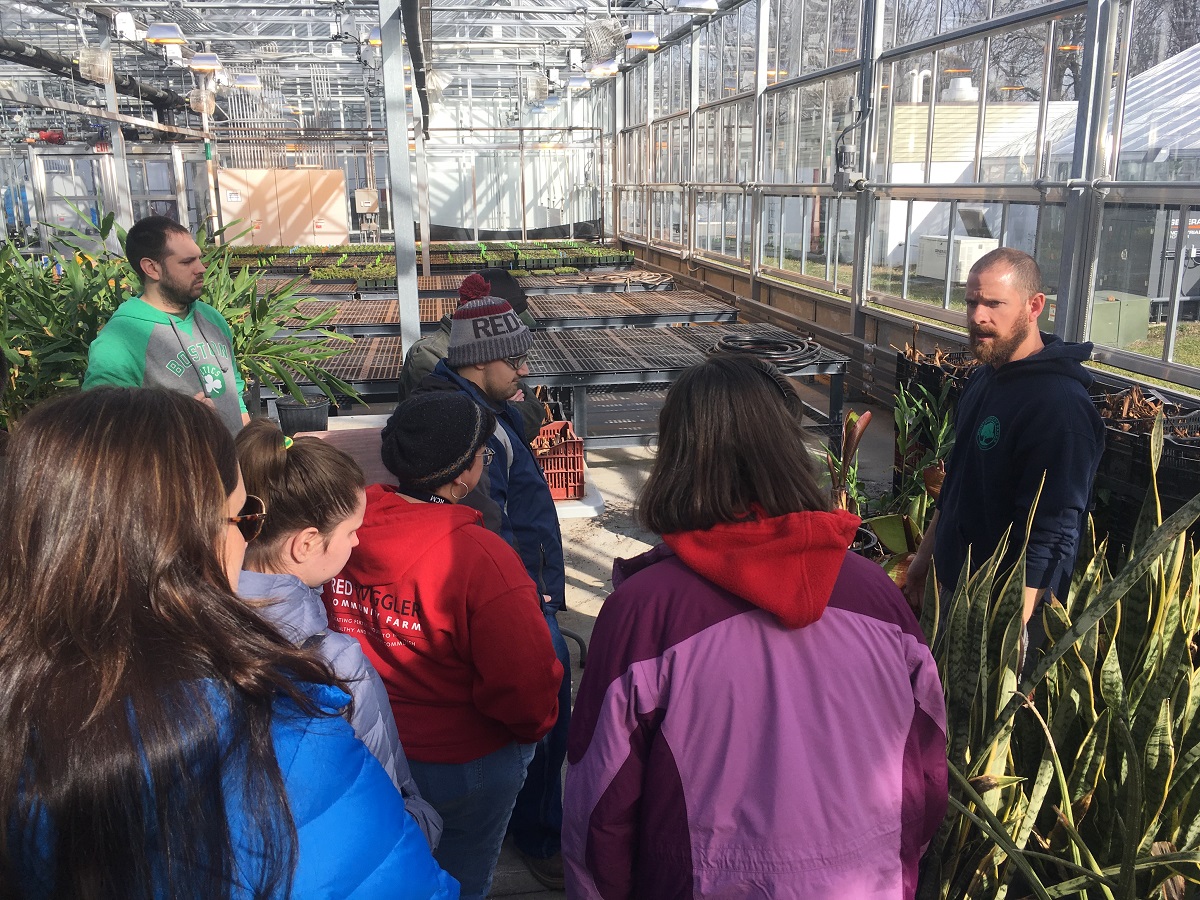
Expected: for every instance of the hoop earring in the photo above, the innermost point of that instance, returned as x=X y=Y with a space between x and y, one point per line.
x=458 y=497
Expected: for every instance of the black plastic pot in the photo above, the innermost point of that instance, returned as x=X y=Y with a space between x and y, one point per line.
x=295 y=416
x=866 y=543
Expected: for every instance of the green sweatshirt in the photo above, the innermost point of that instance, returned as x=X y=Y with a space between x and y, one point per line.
x=142 y=346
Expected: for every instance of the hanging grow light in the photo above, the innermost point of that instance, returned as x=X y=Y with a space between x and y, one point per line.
x=165 y=33
x=250 y=82
x=205 y=62
x=642 y=40
x=606 y=68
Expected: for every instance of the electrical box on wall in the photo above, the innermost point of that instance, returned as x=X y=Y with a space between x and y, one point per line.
x=366 y=201
x=931 y=256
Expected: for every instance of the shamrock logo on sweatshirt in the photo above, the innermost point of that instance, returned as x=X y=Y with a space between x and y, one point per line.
x=214 y=380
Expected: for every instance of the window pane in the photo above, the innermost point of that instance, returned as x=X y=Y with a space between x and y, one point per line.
x=904 y=145
x=158 y=177
x=887 y=250
x=1159 y=136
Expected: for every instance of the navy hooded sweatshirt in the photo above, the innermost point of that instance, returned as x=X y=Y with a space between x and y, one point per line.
x=1029 y=417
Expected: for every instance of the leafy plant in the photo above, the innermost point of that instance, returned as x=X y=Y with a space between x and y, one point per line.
x=1084 y=778
x=50 y=313
x=924 y=439
x=272 y=334
x=845 y=487
x=335 y=273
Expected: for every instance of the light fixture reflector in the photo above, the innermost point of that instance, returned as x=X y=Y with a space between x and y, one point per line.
x=642 y=40
x=605 y=68
x=249 y=82
x=165 y=33
x=205 y=62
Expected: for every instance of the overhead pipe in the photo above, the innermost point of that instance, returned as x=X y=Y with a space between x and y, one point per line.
x=410 y=17
x=37 y=58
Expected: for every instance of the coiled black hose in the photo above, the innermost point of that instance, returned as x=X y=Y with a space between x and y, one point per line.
x=786 y=354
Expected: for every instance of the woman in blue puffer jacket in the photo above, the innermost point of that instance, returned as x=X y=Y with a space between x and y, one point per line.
x=317 y=497
x=161 y=738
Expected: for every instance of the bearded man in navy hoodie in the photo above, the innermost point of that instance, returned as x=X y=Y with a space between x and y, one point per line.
x=1024 y=415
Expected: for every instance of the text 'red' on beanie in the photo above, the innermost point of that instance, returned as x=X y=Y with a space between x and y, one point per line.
x=484 y=330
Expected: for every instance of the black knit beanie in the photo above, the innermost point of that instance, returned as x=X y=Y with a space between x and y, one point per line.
x=432 y=438
x=505 y=286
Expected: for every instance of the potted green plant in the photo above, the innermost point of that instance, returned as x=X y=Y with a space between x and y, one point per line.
x=50 y=313
x=1078 y=774
x=276 y=342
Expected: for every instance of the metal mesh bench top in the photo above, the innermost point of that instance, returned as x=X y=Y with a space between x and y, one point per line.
x=554 y=310
x=592 y=355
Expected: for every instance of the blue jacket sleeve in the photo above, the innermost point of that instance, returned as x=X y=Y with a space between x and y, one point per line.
x=375 y=725
x=356 y=839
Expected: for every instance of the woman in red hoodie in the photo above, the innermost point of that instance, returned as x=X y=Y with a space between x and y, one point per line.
x=444 y=610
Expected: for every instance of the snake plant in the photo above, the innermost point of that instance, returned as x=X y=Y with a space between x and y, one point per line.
x=1081 y=778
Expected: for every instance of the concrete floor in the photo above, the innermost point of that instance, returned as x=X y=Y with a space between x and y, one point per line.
x=590 y=545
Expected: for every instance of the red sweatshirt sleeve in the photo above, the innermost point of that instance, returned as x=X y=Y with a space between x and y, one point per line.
x=517 y=675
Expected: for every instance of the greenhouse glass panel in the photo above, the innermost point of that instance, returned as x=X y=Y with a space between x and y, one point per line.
x=888 y=267
x=1160 y=134
x=1013 y=105
x=903 y=156
x=772 y=246
x=708 y=221
x=747 y=41
x=1141 y=282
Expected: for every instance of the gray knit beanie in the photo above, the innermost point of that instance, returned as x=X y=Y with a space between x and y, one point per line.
x=432 y=438
x=486 y=329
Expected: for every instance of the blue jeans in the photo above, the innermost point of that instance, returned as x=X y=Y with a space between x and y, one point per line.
x=536 y=825
x=475 y=800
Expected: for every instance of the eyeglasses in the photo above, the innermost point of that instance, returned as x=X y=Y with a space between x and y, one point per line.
x=250 y=520
x=517 y=362
x=488 y=455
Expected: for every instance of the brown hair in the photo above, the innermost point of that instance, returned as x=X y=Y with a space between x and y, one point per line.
x=1023 y=268
x=135 y=687
x=311 y=484
x=147 y=239
x=729 y=439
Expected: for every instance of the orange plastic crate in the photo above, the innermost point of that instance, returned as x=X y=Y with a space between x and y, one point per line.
x=560 y=454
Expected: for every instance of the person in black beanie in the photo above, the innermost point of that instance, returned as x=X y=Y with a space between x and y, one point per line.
x=488 y=354
x=446 y=613
x=431 y=440
x=505 y=285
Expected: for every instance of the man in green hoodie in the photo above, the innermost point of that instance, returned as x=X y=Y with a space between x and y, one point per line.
x=168 y=337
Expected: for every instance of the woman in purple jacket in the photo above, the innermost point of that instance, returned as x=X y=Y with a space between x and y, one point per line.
x=760 y=716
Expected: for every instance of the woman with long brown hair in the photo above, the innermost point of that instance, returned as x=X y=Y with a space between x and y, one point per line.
x=160 y=738
x=759 y=716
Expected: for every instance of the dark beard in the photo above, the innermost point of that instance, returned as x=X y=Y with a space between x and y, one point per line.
x=1000 y=350
x=180 y=297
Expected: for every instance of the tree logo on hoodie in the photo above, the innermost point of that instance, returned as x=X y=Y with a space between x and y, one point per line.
x=214 y=380
x=989 y=433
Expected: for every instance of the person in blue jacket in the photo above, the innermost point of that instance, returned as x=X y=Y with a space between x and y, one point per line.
x=317 y=497
x=161 y=738
x=1025 y=424
x=486 y=359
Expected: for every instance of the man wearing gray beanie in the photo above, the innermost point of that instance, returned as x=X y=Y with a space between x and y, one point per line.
x=486 y=359
x=423 y=355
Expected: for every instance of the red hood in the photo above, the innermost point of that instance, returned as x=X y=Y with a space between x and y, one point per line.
x=786 y=565
x=395 y=533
